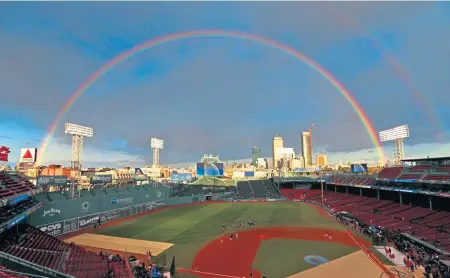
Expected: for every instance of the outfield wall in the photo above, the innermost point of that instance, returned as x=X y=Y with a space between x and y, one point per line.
x=63 y=216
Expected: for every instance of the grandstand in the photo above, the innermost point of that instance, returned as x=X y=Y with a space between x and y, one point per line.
x=411 y=199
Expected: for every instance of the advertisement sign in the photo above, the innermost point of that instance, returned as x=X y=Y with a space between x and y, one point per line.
x=54 y=229
x=52 y=181
x=28 y=155
x=111 y=215
x=88 y=221
x=209 y=169
x=249 y=174
x=362 y=186
x=98 y=179
x=140 y=177
x=184 y=177
x=122 y=200
x=18 y=199
x=358 y=168
x=4 y=151
x=17 y=220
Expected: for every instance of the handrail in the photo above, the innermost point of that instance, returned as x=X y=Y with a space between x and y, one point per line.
x=46 y=270
x=394 y=271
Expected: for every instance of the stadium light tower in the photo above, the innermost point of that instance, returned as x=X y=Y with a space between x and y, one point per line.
x=396 y=134
x=78 y=132
x=156 y=145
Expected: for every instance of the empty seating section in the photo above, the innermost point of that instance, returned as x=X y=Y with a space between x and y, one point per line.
x=11 y=185
x=33 y=245
x=424 y=223
x=435 y=177
x=258 y=188
x=273 y=192
x=410 y=176
x=244 y=189
x=420 y=168
x=414 y=173
x=390 y=173
x=338 y=179
x=443 y=168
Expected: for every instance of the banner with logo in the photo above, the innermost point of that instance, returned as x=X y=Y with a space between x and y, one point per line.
x=88 y=221
x=137 y=177
x=52 y=180
x=122 y=201
x=54 y=229
x=98 y=179
x=111 y=215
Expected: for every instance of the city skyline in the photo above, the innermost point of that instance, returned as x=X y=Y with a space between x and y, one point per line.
x=191 y=92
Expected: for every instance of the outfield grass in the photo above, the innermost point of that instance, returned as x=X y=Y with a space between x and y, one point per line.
x=285 y=257
x=192 y=226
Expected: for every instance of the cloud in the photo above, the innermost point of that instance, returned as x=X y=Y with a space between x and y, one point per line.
x=221 y=96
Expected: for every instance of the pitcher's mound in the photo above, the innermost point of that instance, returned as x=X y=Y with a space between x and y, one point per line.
x=136 y=246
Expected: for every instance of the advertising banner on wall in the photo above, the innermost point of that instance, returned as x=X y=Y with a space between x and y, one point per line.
x=249 y=174
x=359 y=168
x=140 y=177
x=88 y=221
x=52 y=180
x=181 y=177
x=28 y=155
x=111 y=215
x=54 y=229
x=98 y=179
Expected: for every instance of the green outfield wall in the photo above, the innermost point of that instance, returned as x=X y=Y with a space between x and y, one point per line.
x=61 y=215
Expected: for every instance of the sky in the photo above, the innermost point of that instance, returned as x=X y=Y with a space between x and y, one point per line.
x=223 y=95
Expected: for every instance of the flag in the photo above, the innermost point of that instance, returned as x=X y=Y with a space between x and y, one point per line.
x=172 y=268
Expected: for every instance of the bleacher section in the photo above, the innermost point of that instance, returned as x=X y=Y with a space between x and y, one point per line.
x=7 y=213
x=423 y=223
x=244 y=189
x=33 y=245
x=419 y=172
x=11 y=185
x=263 y=189
x=351 y=179
x=390 y=173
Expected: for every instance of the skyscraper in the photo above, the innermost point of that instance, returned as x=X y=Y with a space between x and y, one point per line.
x=321 y=160
x=276 y=155
x=256 y=153
x=307 y=148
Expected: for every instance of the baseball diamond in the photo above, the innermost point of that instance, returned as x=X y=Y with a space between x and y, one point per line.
x=284 y=235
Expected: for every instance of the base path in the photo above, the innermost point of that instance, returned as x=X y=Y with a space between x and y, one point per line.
x=135 y=246
x=235 y=257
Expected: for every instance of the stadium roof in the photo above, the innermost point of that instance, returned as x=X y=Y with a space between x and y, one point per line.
x=430 y=159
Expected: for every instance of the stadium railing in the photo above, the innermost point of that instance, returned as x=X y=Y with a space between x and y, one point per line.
x=39 y=268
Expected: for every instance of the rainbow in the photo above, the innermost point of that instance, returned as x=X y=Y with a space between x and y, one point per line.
x=208 y=34
x=402 y=74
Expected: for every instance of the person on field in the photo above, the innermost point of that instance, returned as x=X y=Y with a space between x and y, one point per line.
x=236 y=235
x=231 y=236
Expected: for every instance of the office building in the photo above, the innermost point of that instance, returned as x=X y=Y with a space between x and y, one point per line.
x=307 y=148
x=321 y=160
x=276 y=155
x=256 y=153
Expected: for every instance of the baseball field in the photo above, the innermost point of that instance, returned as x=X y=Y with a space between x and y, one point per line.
x=287 y=239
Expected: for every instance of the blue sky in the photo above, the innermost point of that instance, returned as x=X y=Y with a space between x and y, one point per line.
x=222 y=96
